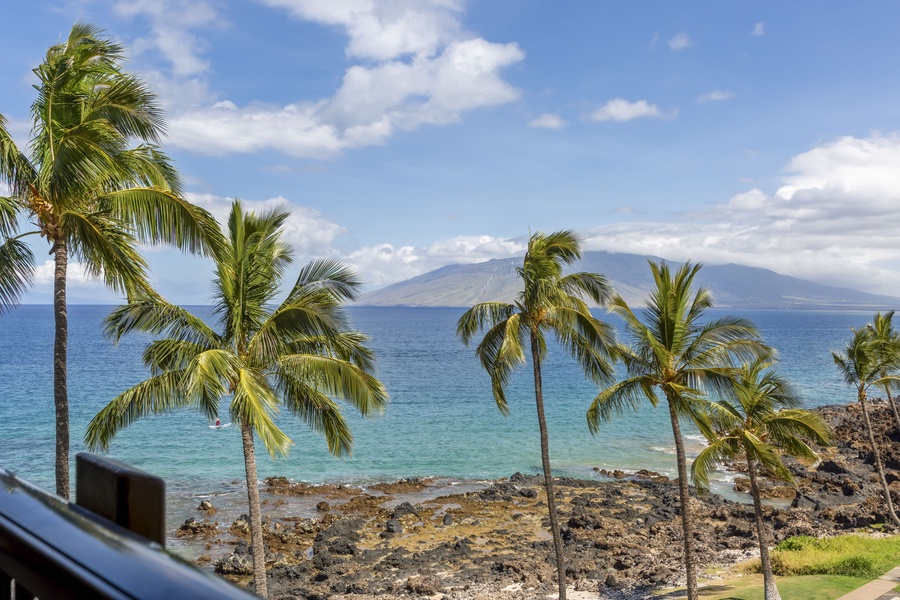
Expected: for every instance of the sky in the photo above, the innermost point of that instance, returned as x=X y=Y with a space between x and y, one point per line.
x=404 y=135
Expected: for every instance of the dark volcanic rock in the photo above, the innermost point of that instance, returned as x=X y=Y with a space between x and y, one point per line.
x=622 y=535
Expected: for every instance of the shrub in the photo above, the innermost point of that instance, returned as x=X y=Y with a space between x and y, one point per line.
x=796 y=543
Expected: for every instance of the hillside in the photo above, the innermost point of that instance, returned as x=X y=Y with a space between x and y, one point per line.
x=732 y=286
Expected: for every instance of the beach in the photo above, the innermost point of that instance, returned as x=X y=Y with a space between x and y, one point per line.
x=439 y=538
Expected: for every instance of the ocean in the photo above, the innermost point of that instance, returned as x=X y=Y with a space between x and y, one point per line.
x=441 y=420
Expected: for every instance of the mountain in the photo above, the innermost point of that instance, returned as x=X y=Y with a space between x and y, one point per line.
x=732 y=286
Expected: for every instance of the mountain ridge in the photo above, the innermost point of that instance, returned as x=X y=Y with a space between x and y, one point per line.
x=732 y=285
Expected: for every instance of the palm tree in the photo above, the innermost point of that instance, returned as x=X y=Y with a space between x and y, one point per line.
x=763 y=418
x=889 y=348
x=549 y=302
x=676 y=353
x=88 y=192
x=299 y=355
x=864 y=364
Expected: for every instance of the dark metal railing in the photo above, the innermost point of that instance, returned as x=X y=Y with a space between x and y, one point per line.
x=54 y=549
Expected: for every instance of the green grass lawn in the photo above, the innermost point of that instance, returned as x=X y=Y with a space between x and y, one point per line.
x=801 y=587
x=807 y=568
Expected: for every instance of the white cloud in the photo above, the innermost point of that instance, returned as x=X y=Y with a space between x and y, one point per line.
x=172 y=26
x=386 y=263
x=171 y=22
x=715 y=96
x=306 y=229
x=384 y=30
x=418 y=67
x=548 y=121
x=620 y=109
x=759 y=29
x=680 y=42
x=832 y=221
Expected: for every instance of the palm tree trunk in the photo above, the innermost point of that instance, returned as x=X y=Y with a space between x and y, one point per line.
x=687 y=524
x=256 y=530
x=875 y=451
x=545 y=461
x=893 y=406
x=60 y=372
x=770 y=589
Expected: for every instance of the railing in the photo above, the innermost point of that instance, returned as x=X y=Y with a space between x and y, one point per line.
x=53 y=549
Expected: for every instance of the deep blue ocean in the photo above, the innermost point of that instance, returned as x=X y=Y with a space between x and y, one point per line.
x=441 y=420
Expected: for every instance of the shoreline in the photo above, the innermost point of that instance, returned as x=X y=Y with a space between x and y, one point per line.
x=458 y=540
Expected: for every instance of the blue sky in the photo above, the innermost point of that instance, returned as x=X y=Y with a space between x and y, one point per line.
x=409 y=134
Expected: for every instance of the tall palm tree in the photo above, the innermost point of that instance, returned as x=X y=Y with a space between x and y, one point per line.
x=888 y=341
x=863 y=364
x=763 y=419
x=298 y=355
x=549 y=302
x=677 y=353
x=88 y=191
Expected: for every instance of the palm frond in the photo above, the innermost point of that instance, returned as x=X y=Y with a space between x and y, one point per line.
x=335 y=377
x=329 y=274
x=619 y=398
x=108 y=251
x=320 y=413
x=593 y=285
x=157 y=317
x=590 y=341
x=212 y=373
x=15 y=168
x=254 y=403
x=160 y=216
x=709 y=458
x=157 y=395
x=500 y=352
x=16 y=272
x=482 y=316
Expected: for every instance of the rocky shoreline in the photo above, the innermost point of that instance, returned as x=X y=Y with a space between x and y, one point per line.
x=422 y=539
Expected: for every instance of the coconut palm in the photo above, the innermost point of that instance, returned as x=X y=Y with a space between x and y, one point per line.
x=300 y=354
x=88 y=191
x=888 y=341
x=677 y=354
x=549 y=303
x=761 y=420
x=864 y=364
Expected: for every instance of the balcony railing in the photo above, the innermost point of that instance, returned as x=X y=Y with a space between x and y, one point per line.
x=53 y=549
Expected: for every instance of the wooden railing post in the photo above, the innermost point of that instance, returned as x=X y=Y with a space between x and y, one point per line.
x=126 y=496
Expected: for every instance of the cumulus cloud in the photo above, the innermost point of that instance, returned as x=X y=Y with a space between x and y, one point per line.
x=832 y=221
x=306 y=229
x=759 y=29
x=183 y=82
x=171 y=22
x=620 y=109
x=680 y=42
x=417 y=66
x=548 y=121
x=715 y=96
x=382 y=264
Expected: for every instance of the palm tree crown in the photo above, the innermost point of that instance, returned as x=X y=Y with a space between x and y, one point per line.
x=760 y=420
x=865 y=363
x=677 y=353
x=549 y=301
x=299 y=354
x=88 y=191
x=888 y=347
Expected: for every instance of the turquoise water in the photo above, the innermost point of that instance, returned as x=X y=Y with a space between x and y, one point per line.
x=441 y=420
